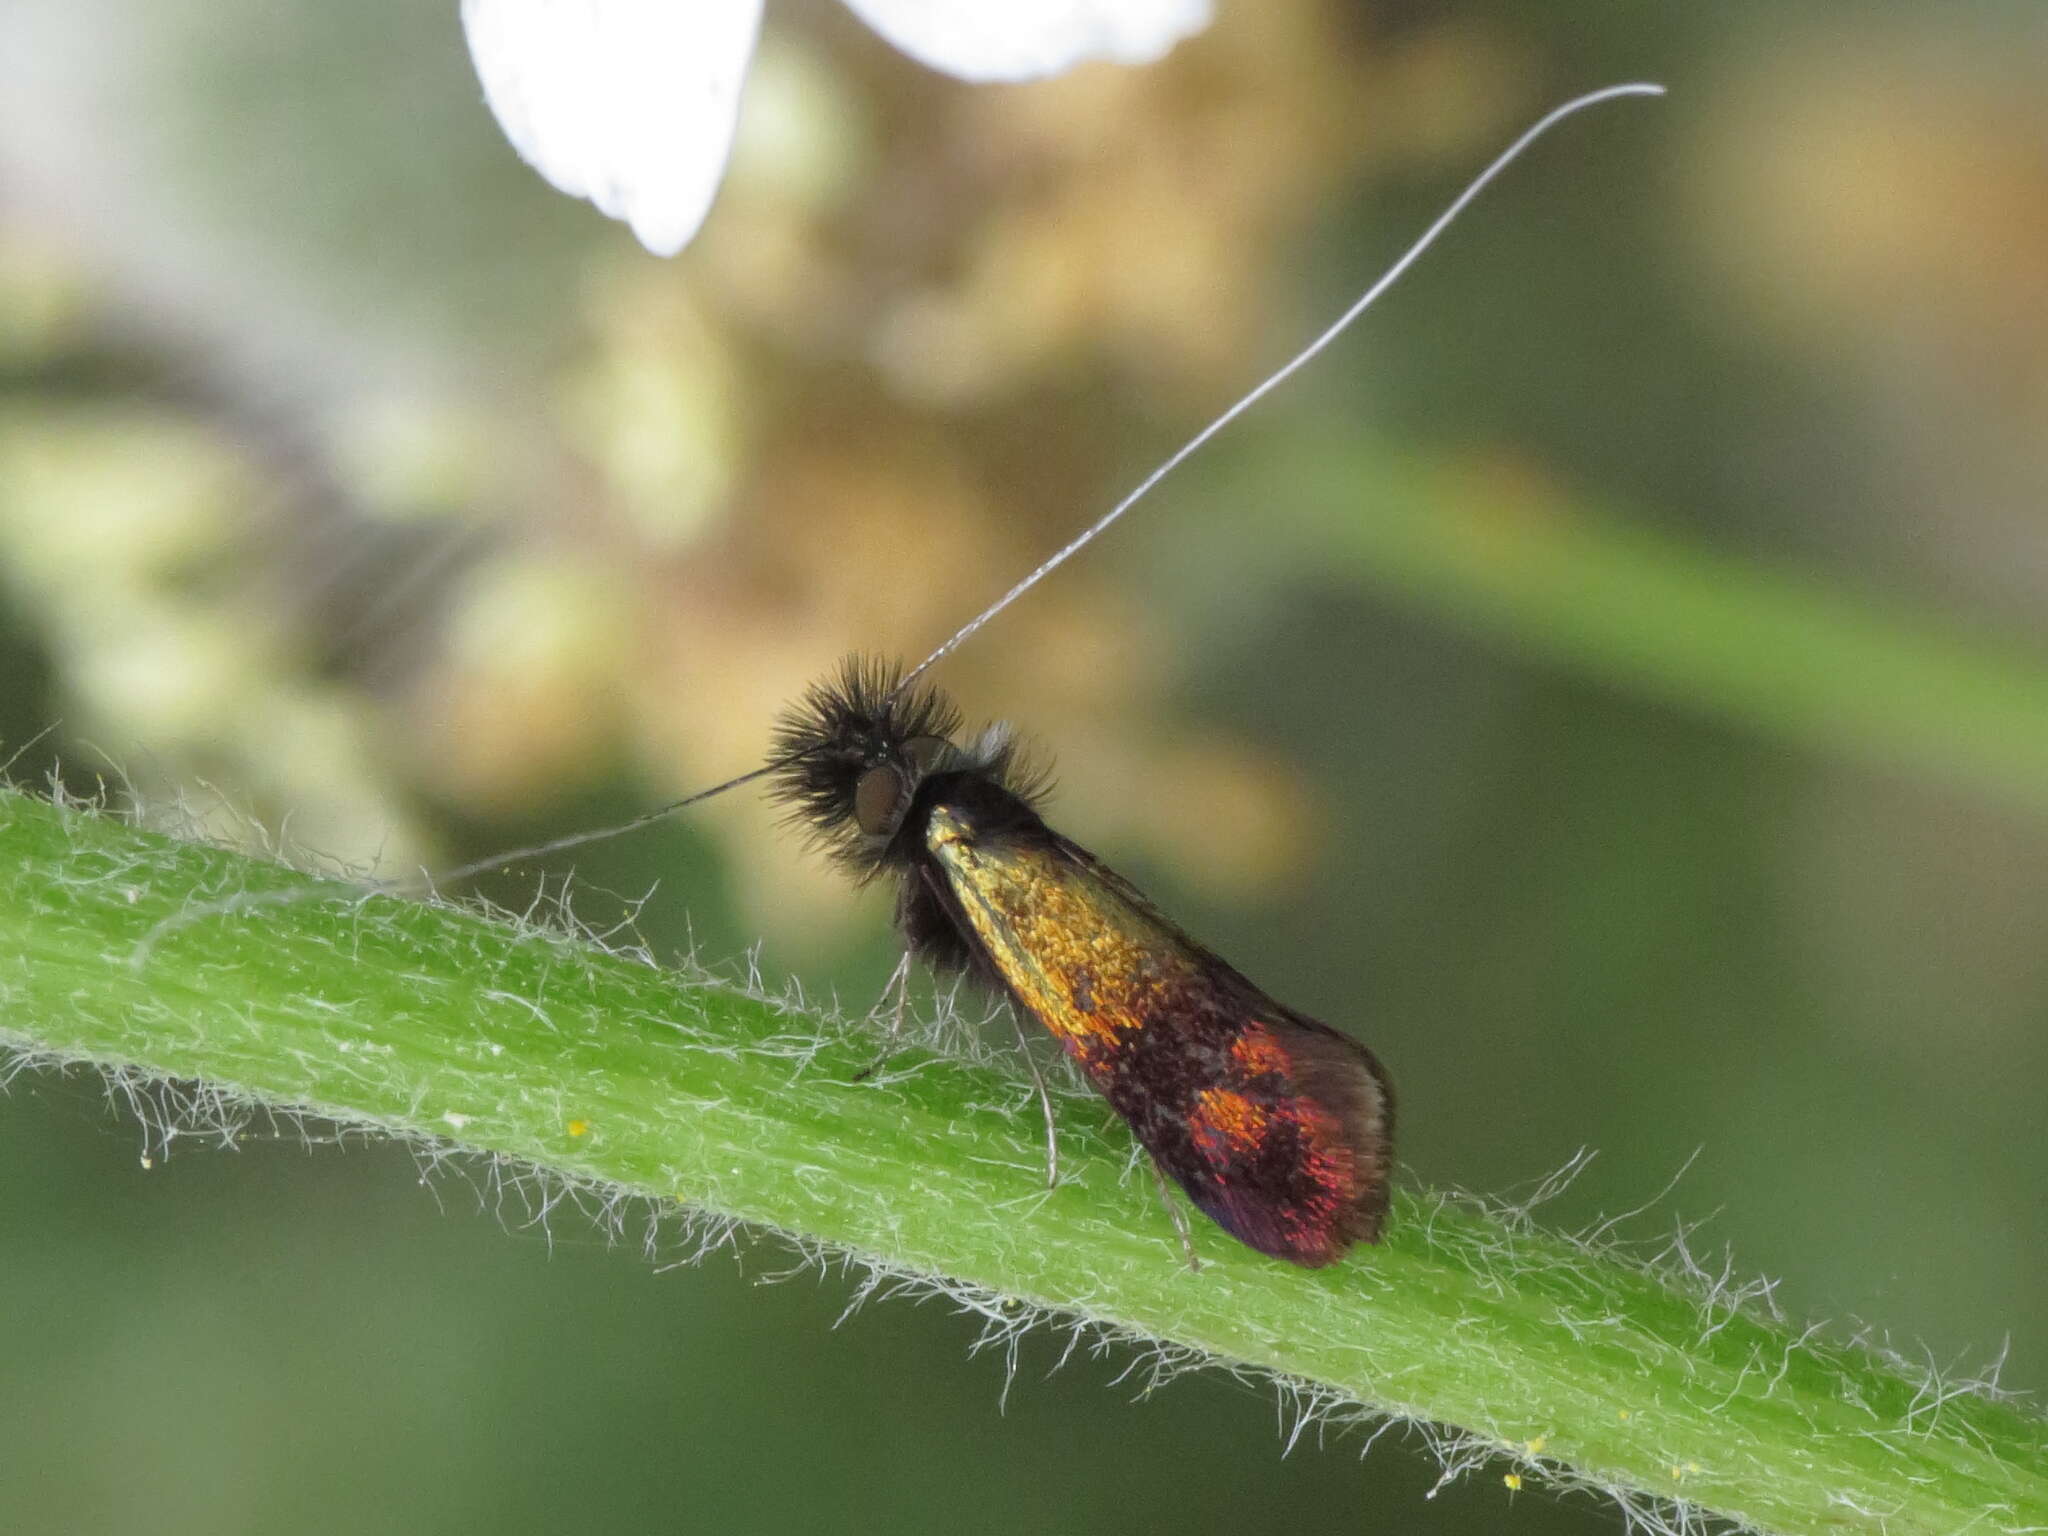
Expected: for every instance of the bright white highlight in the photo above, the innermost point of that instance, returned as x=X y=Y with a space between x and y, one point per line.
x=1009 y=41
x=632 y=103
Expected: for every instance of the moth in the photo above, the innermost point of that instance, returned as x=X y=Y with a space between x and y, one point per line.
x=1278 y=1128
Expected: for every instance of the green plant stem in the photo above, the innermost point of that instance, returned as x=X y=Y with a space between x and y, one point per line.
x=530 y=1045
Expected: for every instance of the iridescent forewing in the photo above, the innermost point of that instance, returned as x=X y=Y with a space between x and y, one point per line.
x=1278 y=1127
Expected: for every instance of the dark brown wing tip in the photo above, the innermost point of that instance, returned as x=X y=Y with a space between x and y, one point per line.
x=1362 y=1222
x=1348 y=1081
x=1311 y=1210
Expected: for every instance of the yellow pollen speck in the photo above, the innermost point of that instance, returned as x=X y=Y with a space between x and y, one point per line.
x=579 y=1127
x=1513 y=1480
x=1624 y=1415
x=1535 y=1447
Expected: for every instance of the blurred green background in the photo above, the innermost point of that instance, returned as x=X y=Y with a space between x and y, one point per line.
x=353 y=481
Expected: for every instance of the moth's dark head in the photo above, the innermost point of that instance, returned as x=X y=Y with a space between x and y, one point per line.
x=856 y=748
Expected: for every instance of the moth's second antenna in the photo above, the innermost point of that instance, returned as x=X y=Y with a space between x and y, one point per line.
x=1285 y=371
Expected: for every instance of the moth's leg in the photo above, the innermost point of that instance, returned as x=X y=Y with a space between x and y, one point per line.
x=899 y=984
x=1052 y=1135
x=1176 y=1215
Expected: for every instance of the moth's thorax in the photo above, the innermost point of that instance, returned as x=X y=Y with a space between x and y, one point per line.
x=962 y=811
x=965 y=808
x=949 y=830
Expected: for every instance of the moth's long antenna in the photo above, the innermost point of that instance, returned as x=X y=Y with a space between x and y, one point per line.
x=578 y=839
x=1280 y=375
x=429 y=882
x=423 y=883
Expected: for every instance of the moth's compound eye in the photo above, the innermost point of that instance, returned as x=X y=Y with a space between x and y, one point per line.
x=876 y=800
x=924 y=752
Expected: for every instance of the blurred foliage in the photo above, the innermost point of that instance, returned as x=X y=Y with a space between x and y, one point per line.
x=349 y=478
